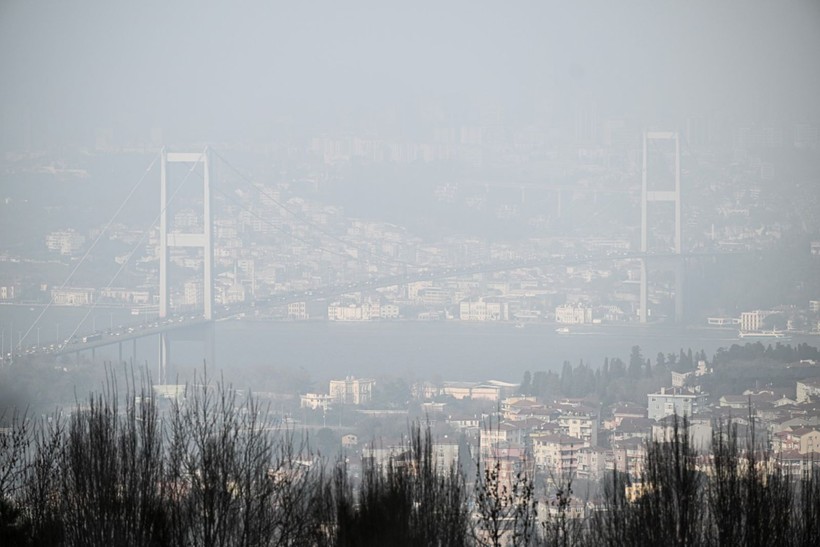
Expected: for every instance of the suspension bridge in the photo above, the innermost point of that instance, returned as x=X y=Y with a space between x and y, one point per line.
x=174 y=325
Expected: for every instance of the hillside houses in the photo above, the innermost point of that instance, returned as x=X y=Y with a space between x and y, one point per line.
x=573 y=437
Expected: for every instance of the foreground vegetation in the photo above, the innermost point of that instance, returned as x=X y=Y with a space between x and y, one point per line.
x=212 y=469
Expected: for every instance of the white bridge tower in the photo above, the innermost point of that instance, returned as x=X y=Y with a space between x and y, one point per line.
x=167 y=241
x=652 y=196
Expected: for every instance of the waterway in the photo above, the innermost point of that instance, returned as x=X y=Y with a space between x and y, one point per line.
x=446 y=350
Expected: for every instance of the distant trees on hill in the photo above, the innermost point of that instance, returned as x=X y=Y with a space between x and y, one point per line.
x=616 y=380
x=781 y=353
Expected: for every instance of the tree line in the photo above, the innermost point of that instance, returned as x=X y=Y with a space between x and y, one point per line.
x=214 y=469
x=618 y=380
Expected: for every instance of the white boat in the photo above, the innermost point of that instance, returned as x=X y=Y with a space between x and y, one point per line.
x=763 y=334
x=562 y=330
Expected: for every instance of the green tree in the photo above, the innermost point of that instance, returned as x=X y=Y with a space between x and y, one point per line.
x=526 y=383
x=636 y=362
x=566 y=378
x=660 y=361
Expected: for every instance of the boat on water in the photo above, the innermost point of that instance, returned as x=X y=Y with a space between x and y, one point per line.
x=562 y=330
x=764 y=334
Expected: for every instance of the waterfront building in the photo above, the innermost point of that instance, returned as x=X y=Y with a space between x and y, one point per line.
x=751 y=321
x=72 y=296
x=573 y=315
x=297 y=310
x=483 y=310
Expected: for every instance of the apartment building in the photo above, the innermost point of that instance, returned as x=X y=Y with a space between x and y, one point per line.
x=674 y=400
x=352 y=391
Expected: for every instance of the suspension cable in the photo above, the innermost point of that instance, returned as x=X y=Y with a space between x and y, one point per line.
x=137 y=246
x=88 y=251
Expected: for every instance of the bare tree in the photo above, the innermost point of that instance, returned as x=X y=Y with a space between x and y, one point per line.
x=41 y=491
x=14 y=441
x=110 y=471
x=406 y=501
x=506 y=507
x=559 y=526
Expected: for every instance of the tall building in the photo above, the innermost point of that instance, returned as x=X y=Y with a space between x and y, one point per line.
x=751 y=321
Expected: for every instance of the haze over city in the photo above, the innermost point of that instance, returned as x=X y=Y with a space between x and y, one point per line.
x=542 y=228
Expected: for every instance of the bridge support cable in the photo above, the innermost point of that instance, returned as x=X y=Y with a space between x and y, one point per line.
x=133 y=251
x=88 y=251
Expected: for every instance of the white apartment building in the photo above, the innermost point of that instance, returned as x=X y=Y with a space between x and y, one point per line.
x=434 y=296
x=445 y=456
x=556 y=453
x=352 y=312
x=486 y=392
x=492 y=390
x=72 y=296
x=193 y=293
x=675 y=400
x=458 y=390
x=629 y=456
x=415 y=289
x=315 y=401
x=297 y=310
x=751 y=321
x=592 y=462
x=573 y=315
x=581 y=424
x=230 y=293
x=64 y=242
x=483 y=310
x=500 y=435
x=808 y=390
x=352 y=391
x=126 y=295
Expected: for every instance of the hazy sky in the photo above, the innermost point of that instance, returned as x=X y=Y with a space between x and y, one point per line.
x=212 y=70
